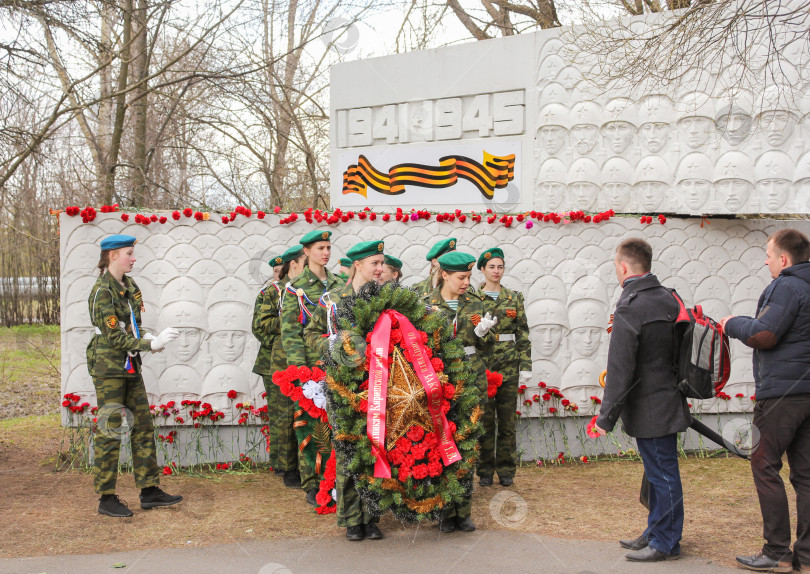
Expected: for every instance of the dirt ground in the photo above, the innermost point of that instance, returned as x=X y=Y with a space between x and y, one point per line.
x=49 y=512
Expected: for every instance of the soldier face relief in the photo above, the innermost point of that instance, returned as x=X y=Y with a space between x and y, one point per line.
x=618 y=136
x=584 y=138
x=552 y=138
x=696 y=130
x=733 y=192
x=228 y=346
x=187 y=343
x=546 y=339
x=654 y=136
x=585 y=340
x=694 y=192
x=777 y=126
x=774 y=192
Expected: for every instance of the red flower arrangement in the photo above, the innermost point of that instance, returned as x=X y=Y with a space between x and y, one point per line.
x=284 y=379
x=494 y=382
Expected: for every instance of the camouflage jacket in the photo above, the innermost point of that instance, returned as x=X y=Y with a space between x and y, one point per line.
x=465 y=318
x=516 y=352
x=316 y=333
x=266 y=325
x=110 y=304
x=297 y=311
x=424 y=287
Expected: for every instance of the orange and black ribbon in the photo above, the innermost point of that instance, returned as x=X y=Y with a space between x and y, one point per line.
x=494 y=173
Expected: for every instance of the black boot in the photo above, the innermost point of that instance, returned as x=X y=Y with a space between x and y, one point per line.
x=111 y=505
x=153 y=496
x=447 y=525
x=506 y=480
x=292 y=479
x=373 y=531
x=355 y=533
x=485 y=480
x=465 y=524
x=312 y=493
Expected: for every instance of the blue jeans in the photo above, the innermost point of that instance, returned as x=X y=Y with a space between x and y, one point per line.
x=665 y=521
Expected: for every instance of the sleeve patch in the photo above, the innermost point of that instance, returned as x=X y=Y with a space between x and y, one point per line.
x=511 y=313
x=112 y=322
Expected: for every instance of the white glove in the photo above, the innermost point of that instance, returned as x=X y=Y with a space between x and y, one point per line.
x=525 y=377
x=485 y=325
x=148 y=337
x=166 y=336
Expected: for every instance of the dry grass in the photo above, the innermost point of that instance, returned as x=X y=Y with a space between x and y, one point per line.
x=55 y=511
x=29 y=370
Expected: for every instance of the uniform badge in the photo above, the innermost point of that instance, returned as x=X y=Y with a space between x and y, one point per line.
x=380 y=247
x=487 y=255
x=278 y=261
x=470 y=266
x=112 y=322
x=475 y=319
x=452 y=244
x=300 y=292
x=511 y=313
x=325 y=235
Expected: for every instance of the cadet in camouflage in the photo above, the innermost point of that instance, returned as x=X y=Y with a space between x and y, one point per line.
x=299 y=303
x=426 y=286
x=465 y=310
x=367 y=265
x=511 y=356
x=115 y=305
x=282 y=444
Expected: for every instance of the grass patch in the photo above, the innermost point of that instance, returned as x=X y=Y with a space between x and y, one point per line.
x=30 y=362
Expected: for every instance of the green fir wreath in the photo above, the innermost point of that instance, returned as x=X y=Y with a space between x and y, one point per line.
x=421 y=486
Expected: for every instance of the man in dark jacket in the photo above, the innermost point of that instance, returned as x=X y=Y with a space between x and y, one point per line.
x=641 y=390
x=780 y=337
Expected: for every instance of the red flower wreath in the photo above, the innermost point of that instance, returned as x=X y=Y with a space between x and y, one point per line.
x=494 y=381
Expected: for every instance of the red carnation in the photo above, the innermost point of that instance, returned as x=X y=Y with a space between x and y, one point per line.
x=260 y=214
x=362 y=406
x=449 y=391
x=167 y=470
x=198 y=216
x=124 y=217
x=225 y=219
x=437 y=363
x=276 y=209
x=434 y=468
x=175 y=215
x=416 y=433
x=188 y=212
x=232 y=394
x=153 y=218
x=420 y=471
x=163 y=219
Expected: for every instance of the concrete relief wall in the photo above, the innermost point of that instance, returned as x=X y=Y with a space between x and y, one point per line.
x=202 y=278
x=701 y=146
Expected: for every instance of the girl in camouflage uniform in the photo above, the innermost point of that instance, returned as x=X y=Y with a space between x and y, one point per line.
x=367 y=265
x=113 y=359
x=511 y=356
x=465 y=310
x=300 y=302
x=270 y=358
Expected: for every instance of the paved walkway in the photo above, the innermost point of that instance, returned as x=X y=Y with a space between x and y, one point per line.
x=420 y=551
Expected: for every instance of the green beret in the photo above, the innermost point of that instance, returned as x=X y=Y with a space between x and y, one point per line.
x=393 y=262
x=117 y=242
x=365 y=249
x=456 y=261
x=345 y=262
x=291 y=253
x=441 y=247
x=314 y=236
x=275 y=260
x=495 y=252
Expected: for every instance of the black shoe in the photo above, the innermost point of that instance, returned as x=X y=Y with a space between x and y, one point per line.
x=312 y=493
x=447 y=525
x=485 y=480
x=465 y=524
x=355 y=533
x=506 y=480
x=637 y=544
x=373 y=531
x=650 y=554
x=153 y=496
x=111 y=505
x=292 y=479
x=762 y=563
x=279 y=471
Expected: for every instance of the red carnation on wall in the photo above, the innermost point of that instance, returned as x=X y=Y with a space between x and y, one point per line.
x=175 y=215
x=188 y=212
x=232 y=394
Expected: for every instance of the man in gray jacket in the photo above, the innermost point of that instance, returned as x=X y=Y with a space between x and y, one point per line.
x=780 y=336
x=641 y=390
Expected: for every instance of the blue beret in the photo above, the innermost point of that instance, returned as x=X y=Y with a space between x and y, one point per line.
x=117 y=242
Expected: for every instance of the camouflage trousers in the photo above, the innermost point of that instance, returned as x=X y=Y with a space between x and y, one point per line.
x=128 y=396
x=350 y=508
x=499 y=441
x=282 y=442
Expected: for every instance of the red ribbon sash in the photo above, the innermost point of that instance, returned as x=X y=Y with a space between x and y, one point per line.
x=378 y=387
x=377 y=394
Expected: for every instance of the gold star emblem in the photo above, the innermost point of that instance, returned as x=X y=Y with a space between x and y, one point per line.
x=379 y=247
x=325 y=235
x=407 y=401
